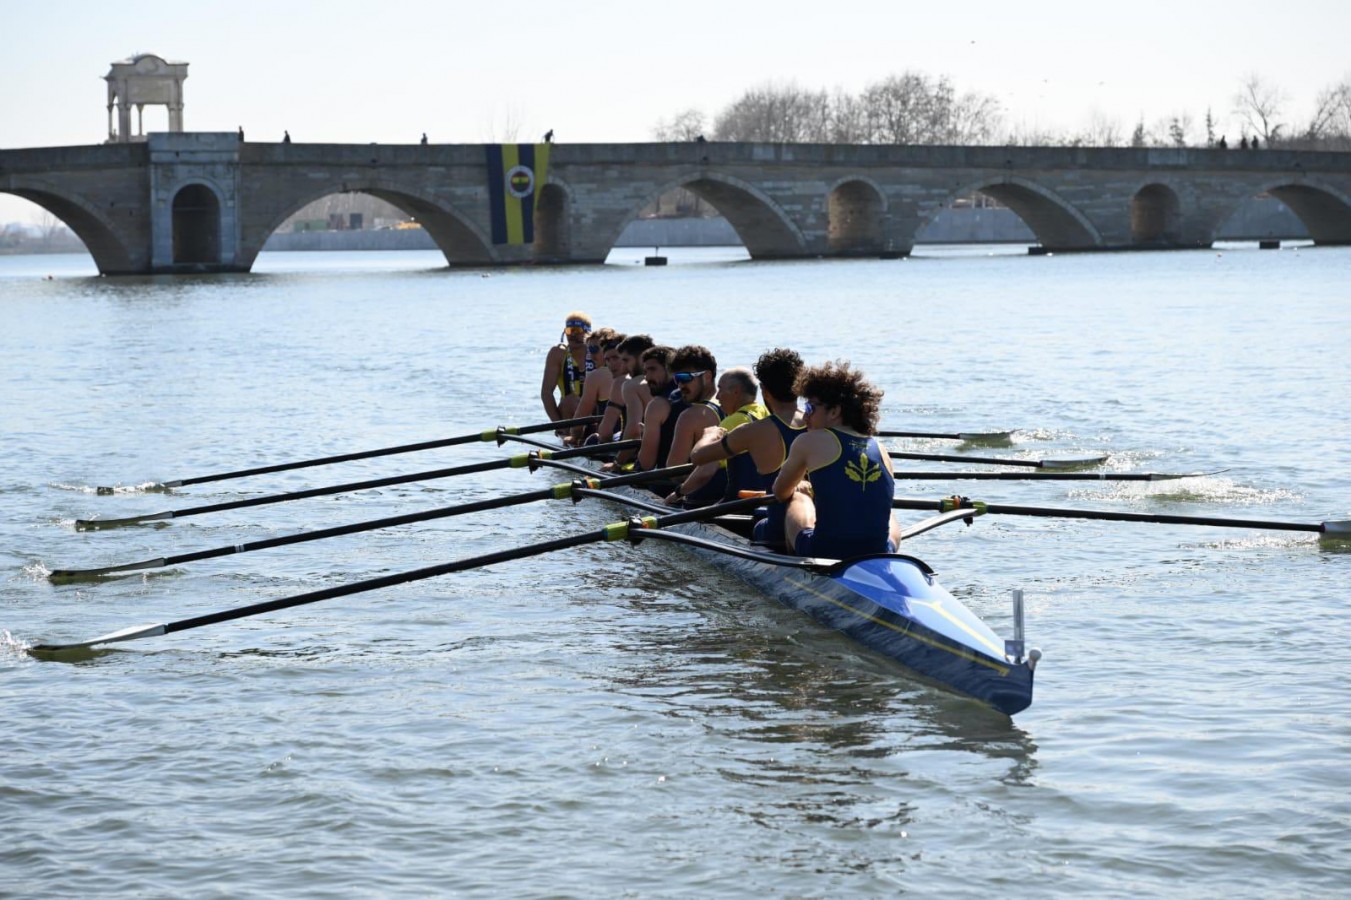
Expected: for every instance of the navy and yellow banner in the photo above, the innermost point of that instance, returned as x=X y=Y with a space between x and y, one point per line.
x=516 y=175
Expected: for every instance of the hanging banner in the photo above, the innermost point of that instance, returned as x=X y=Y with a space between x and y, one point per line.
x=516 y=174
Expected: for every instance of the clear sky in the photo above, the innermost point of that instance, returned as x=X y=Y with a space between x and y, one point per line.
x=597 y=70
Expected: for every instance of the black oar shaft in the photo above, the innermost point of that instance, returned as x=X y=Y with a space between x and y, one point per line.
x=1110 y=516
x=550 y=493
x=385 y=581
x=615 y=532
x=990 y=460
x=1035 y=476
x=487 y=435
x=518 y=461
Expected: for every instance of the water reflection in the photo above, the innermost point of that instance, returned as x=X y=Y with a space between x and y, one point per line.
x=762 y=673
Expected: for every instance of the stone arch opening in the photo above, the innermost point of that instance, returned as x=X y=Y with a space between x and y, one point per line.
x=111 y=255
x=1156 y=216
x=552 y=242
x=374 y=216
x=756 y=221
x=1326 y=216
x=1053 y=223
x=196 y=226
x=855 y=214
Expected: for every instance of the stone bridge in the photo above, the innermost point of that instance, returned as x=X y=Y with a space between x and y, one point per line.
x=204 y=202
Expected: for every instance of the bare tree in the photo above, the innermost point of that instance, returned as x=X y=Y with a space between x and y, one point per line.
x=1330 y=126
x=686 y=125
x=1259 y=105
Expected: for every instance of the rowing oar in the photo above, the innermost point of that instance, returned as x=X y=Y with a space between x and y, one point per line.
x=564 y=491
x=1048 y=476
x=971 y=437
x=514 y=462
x=615 y=532
x=1338 y=530
x=1002 y=461
x=488 y=435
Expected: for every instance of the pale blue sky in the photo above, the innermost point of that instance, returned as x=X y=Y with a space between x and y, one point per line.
x=388 y=70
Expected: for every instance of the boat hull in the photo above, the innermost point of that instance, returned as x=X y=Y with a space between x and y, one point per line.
x=891 y=604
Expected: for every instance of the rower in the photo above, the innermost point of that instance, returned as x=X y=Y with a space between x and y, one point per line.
x=843 y=508
x=665 y=406
x=634 y=392
x=599 y=380
x=737 y=390
x=565 y=367
x=612 y=409
x=695 y=372
x=757 y=450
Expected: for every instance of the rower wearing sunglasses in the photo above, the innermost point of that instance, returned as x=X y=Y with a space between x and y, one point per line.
x=837 y=480
x=565 y=368
x=695 y=373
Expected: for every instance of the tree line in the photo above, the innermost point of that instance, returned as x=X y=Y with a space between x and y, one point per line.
x=916 y=108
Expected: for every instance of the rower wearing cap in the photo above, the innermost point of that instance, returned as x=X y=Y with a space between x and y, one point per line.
x=738 y=391
x=843 y=508
x=756 y=451
x=565 y=368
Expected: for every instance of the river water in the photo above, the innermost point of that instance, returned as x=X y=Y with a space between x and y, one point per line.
x=621 y=722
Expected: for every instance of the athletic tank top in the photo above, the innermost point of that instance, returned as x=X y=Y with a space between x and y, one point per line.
x=853 y=494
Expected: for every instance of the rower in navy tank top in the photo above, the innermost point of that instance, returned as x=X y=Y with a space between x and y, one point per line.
x=837 y=481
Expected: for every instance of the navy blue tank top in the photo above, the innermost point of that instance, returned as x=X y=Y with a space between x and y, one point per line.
x=773 y=531
x=853 y=496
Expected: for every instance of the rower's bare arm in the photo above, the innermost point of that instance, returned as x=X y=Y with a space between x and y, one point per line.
x=701 y=476
x=609 y=423
x=553 y=363
x=796 y=466
x=653 y=417
x=709 y=448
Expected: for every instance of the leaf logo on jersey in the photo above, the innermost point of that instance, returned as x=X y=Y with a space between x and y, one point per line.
x=863 y=471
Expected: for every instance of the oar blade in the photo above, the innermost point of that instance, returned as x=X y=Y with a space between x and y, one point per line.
x=1081 y=462
x=133 y=633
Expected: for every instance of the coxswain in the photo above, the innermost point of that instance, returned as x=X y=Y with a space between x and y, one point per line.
x=837 y=479
x=738 y=391
x=565 y=367
x=757 y=450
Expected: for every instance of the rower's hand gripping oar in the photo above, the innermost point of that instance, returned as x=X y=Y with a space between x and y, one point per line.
x=1338 y=530
x=567 y=490
x=491 y=434
x=1096 y=460
x=513 y=462
x=615 y=532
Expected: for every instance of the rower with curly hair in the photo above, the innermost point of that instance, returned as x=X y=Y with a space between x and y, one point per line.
x=837 y=480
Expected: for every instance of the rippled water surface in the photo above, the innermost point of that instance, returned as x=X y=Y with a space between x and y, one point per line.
x=619 y=722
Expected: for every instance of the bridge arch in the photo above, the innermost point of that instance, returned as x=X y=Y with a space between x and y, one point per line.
x=1156 y=216
x=764 y=228
x=111 y=255
x=1057 y=224
x=553 y=234
x=856 y=209
x=1325 y=212
x=461 y=241
x=196 y=218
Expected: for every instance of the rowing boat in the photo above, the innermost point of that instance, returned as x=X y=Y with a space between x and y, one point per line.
x=890 y=603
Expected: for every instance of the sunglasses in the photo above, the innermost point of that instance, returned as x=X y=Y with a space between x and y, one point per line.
x=687 y=377
x=807 y=409
x=593 y=348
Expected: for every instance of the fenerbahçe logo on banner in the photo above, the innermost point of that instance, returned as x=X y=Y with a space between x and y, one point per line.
x=515 y=174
